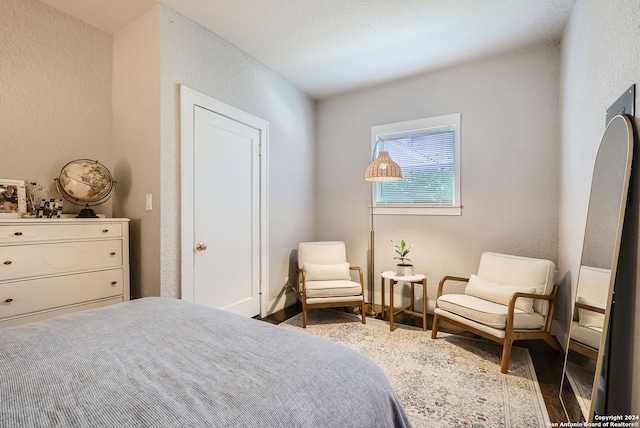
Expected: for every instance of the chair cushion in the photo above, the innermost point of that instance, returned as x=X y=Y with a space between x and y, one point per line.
x=498 y=293
x=594 y=283
x=587 y=318
x=488 y=313
x=339 y=301
x=332 y=288
x=328 y=272
x=589 y=336
x=520 y=271
x=321 y=252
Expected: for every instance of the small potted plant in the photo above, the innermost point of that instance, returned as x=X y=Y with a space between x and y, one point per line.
x=403 y=268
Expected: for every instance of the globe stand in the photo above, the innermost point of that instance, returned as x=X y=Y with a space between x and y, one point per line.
x=87 y=212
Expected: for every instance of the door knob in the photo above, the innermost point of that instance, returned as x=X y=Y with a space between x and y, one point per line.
x=201 y=246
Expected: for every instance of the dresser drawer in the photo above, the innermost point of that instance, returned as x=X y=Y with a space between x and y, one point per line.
x=24 y=297
x=38 y=316
x=23 y=233
x=63 y=257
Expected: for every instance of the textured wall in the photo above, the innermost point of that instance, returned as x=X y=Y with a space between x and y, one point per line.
x=510 y=136
x=201 y=60
x=600 y=60
x=136 y=144
x=152 y=57
x=55 y=98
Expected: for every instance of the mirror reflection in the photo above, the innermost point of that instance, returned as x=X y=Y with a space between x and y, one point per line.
x=592 y=303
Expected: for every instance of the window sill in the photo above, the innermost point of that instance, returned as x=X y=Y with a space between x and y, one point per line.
x=408 y=210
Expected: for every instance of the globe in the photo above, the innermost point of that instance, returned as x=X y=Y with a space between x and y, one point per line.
x=85 y=182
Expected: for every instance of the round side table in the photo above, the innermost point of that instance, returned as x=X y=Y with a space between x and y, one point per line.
x=413 y=280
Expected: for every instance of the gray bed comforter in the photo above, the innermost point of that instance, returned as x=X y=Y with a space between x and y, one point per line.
x=158 y=362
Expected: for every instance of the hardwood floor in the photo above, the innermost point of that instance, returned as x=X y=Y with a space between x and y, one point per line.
x=547 y=362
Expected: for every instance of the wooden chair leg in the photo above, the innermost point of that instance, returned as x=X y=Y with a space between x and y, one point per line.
x=506 y=355
x=363 y=312
x=434 y=327
x=304 y=315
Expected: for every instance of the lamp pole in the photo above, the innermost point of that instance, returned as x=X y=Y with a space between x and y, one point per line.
x=372 y=311
x=383 y=168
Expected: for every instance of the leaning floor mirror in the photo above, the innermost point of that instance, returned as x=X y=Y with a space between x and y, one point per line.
x=585 y=367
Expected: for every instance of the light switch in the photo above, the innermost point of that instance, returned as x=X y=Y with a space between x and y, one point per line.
x=148 y=199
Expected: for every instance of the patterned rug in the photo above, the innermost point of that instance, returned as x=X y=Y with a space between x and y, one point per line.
x=452 y=381
x=581 y=380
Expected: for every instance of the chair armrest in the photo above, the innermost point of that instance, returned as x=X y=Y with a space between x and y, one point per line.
x=361 y=276
x=590 y=308
x=449 y=278
x=550 y=297
x=517 y=295
x=300 y=280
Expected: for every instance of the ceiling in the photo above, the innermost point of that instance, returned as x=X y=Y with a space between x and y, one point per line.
x=325 y=47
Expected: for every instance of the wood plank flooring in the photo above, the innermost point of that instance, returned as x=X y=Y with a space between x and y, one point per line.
x=547 y=362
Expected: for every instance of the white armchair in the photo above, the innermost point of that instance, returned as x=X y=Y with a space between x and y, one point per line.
x=511 y=298
x=324 y=278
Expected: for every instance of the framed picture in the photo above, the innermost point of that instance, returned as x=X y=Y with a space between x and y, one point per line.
x=13 y=197
x=50 y=208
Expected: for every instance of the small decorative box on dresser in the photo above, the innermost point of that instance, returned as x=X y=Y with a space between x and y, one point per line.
x=50 y=267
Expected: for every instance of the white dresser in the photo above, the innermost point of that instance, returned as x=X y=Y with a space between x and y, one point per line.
x=50 y=267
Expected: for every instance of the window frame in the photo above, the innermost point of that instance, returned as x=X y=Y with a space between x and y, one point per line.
x=408 y=127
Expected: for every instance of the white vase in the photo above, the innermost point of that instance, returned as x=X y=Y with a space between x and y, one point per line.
x=404 y=270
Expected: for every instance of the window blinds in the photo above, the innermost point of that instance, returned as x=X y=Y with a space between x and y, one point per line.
x=427 y=160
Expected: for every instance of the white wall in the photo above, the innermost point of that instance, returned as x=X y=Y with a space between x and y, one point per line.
x=55 y=96
x=600 y=60
x=509 y=109
x=201 y=60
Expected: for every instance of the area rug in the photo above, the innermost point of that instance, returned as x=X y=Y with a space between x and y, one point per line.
x=581 y=381
x=452 y=381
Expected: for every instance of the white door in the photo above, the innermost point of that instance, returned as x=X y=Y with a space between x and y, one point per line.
x=226 y=184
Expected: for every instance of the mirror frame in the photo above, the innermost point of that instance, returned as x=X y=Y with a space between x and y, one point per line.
x=599 y=366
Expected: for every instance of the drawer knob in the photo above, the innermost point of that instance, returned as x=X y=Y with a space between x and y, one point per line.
x=9 y=300
x=113 y=253
x=105 y=230
x=18 y=233
x=8 y=262
x=114 y=282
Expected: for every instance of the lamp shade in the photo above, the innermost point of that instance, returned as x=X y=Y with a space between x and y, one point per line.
x=383 y=169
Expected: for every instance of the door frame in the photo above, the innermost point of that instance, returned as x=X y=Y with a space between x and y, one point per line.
x=189 y=99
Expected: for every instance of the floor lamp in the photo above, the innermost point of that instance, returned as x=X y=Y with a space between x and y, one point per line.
x=383 y=168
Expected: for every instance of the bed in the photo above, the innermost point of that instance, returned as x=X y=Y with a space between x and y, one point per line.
x=166 y=362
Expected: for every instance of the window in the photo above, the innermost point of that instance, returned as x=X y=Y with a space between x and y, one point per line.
x=428 y=152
